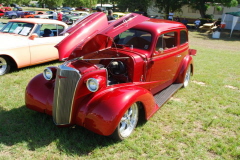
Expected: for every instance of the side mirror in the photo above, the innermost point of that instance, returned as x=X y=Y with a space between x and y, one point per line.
x=33 y=36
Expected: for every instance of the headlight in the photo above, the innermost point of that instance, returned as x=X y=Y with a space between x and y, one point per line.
x=92 y=84
x=48 y=74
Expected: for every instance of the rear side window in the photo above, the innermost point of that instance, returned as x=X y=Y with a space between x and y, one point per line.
x=166 y=41
x=183 y=37
x=49 y=30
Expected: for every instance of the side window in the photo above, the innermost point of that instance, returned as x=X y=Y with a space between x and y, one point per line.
x=49 y=30
x=166 y=41
x=183 y=37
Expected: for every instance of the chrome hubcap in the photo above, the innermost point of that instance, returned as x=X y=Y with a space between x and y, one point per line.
x=3 y=65
x=129 y=121
x=187 y=77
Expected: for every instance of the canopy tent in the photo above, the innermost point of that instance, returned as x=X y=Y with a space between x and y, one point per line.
x=232 y=20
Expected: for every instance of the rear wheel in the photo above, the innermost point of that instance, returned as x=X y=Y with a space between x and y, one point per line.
x=187 y=77
x=4 y=65
x=127 y=123
x=13 y=17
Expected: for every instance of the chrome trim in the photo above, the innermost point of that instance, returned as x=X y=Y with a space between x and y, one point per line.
x=95 y=81
x=66 y=82
x=45 y=74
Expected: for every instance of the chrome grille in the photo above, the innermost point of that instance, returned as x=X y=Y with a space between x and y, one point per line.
x=65 y=85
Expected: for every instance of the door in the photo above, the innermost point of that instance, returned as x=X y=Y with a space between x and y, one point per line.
x=42 y=48
x=164 y=62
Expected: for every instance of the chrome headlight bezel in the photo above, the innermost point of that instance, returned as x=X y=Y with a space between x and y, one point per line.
x=92 y=84
x=47 y=74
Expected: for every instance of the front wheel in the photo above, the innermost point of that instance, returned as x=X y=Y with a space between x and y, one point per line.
x=127 y=123
x=187 y=77
x=4 y=65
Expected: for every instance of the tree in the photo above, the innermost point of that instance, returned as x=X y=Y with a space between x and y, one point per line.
x=132 y=5
x=51 y=3
x=19 y=2
x=203 y=5
x=170 y=5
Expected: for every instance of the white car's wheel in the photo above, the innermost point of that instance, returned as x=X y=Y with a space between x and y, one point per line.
x=187 y=77
x=4 y=65
x=127 y=123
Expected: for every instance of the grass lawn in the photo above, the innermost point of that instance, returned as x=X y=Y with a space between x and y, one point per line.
x=201 y=121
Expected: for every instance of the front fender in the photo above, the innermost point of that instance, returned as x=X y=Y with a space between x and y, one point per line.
x=105 y=112
x=39 y=94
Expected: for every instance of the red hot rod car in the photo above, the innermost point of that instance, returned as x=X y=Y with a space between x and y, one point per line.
x=113 y=72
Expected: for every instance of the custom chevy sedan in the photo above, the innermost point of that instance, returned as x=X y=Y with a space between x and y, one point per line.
x=114 y=73
x=25 y=42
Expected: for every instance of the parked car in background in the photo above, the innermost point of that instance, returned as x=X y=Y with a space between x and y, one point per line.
x=114 y=73
x=68 y=8
x=82 y=9
x=15 y=13
x=118 y=15
x=6 y=8
x=55 y=8
x=31 y=14
x=66 y=12
x=29 y=41
x=71 y=18
x=1 y=13
x=46 y=15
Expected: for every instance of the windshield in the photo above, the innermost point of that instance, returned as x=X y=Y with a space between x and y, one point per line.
x=20 y=28
x=134 y=38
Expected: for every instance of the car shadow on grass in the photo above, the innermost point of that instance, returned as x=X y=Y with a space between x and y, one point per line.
x=21 y=125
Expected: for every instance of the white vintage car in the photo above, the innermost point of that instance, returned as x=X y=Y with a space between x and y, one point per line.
x=25 y=42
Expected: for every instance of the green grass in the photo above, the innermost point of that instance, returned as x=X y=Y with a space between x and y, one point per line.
x=199 y=122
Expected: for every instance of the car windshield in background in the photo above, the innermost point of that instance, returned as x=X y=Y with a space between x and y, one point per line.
x=18 y=28
x=135 y=38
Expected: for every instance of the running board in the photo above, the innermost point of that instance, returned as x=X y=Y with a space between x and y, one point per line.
x=164 y=95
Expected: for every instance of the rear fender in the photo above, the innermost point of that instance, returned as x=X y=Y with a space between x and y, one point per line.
x=105 y=112
x=188 y=60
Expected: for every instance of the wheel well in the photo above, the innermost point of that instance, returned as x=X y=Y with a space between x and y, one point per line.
x=12 y=61
x=142 y=114
x=191 y=69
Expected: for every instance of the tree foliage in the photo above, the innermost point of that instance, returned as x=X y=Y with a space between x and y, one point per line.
x=132 y=5
x=203 y=5
x=200 y=5
x=170 y=5
x=8 y=2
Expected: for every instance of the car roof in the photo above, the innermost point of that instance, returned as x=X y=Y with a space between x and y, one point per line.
x=37 y=20
x=159 y=25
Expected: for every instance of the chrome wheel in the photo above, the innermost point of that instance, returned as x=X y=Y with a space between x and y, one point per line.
x=187 y=77
x=4 y=66
x=127 y=123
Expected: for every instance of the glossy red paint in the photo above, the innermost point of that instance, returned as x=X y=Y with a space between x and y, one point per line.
x=89 y=27
x=81 y=33
x=121 y=73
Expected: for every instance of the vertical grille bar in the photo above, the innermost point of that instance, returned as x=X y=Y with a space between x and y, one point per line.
x=65 y=85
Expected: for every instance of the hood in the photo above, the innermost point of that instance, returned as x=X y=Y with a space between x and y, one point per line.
x=7 y=40
x=96 y=30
